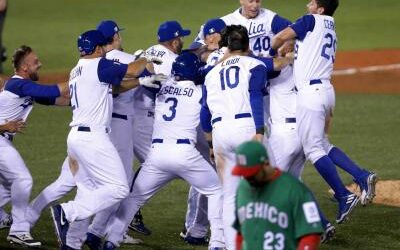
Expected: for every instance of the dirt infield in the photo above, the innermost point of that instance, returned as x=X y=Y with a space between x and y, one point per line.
x=379 y=81
x=387 y=192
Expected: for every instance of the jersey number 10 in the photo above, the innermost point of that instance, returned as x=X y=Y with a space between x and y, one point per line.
x=226 y=76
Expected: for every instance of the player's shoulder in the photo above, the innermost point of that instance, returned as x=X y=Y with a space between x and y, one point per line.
x=292 y=182
x=120 y=56
x=232 y=18
x=265 y=13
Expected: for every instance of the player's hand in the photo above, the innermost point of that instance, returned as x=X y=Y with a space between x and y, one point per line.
x=14 y=126
x=138 y=53
x=153 y=81
x=150 y=58
x=64 y=89
x=290 y=56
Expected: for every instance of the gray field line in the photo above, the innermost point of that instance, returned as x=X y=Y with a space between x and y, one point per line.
x=352 y=71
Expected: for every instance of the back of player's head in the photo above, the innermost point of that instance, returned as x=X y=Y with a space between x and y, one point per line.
x=19 y=55
x=186 y=67
x=89 y=40
x=329 y=6
x=237 y=38
x=108 y=28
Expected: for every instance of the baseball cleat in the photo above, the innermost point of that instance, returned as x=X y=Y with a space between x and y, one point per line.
x=93 y=241
x=137 y=225
x=6 y=221
x=183 y=233
x=367 y=186
x=108 y=245
x=61 y=224
x=130 y=240
x=346 y=205
x=23 y=239
x=196 y=241
x=328 y=234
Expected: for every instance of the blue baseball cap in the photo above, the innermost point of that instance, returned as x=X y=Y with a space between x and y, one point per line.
x=170 y=30
x=89 y=40
x=213 y=26
x=108 y=28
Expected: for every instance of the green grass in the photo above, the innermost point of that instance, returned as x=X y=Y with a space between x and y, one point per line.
x=51 y=27
x=365 y=126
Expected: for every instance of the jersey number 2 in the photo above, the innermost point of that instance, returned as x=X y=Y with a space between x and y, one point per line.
x=225 y=77
x=74 y=97
x=326 y=49
x=172 y=109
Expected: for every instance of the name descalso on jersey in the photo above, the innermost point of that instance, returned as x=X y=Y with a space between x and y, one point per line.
x=315 y=48
x=177 y=111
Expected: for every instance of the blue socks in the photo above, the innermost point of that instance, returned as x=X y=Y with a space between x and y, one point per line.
x=344 y=162
x=327 y=170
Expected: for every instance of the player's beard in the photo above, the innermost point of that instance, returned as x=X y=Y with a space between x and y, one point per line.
x=34 y=76
x=179 y=48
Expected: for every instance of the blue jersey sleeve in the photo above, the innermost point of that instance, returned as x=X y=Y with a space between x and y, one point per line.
x=269 y=63
x=257 y=83
x=111 y=72
x=303 y=25
x=26 y=87
x=279 y=23
x=205 y=114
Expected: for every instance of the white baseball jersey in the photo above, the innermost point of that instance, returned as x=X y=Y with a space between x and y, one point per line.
x=315 y=48
x=261 y=29
x=13 y=106
x=233 y=76
x=282 y=97
x=215 y=56
x=91 y=98
x=177 y=112
x=144 y=99
x=122 y=100
x=17 y=98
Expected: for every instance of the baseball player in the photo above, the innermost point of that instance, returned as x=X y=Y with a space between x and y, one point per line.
x=98 y=170
x=315 y=53
x=274 y=210
x=16 y=102
x=233 y=111
x=196 y=223
x=176 y=119
x=170 y=43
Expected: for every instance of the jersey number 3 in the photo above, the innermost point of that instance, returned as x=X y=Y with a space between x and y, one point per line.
x=174 y=102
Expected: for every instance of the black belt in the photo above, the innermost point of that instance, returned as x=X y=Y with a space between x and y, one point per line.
x=87 y=129
x=315 y=81
x=178 y=141
x=237 y=116
x=7 y=136
x=119 y=116
x=290 y=120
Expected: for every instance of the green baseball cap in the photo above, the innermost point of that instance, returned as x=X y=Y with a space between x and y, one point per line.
x=250 y=157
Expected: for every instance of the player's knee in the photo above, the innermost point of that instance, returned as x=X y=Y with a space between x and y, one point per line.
x=25 y=182
x=314 y=153
x=327 y=145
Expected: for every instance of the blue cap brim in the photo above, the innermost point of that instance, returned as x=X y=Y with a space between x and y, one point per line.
x=185 y=33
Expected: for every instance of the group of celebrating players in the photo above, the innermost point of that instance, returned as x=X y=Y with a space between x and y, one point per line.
x=236 y=116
